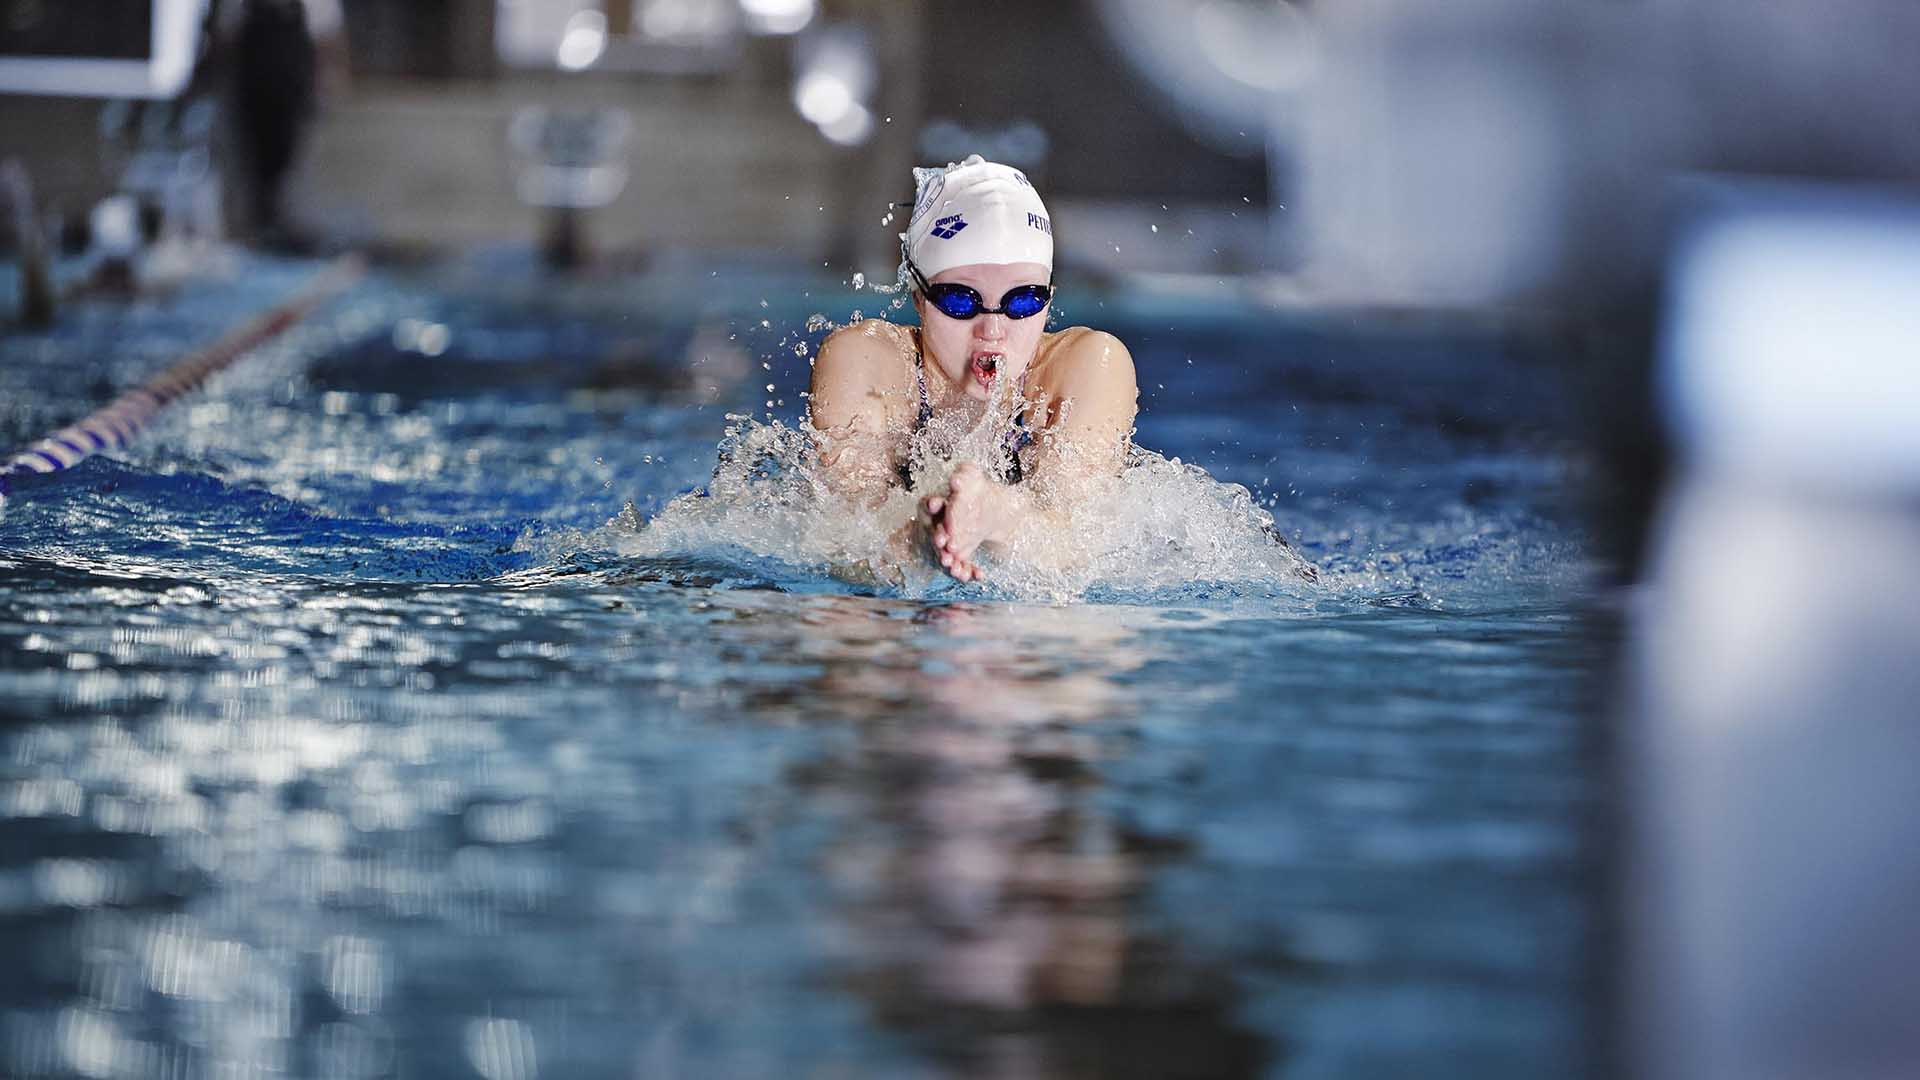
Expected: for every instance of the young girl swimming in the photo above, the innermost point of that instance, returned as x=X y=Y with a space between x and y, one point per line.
x=1023 y=422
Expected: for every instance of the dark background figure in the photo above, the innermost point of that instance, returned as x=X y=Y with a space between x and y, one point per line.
x=274 y=97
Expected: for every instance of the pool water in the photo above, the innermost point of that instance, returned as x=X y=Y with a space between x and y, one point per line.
x=381 y=713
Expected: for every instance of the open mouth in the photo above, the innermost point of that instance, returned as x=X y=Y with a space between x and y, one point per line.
x=984 y=367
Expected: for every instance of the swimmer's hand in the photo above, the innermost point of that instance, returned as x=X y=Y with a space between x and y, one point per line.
x=974 y=511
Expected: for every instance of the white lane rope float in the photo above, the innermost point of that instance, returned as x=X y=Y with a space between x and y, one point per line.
x=122 y=420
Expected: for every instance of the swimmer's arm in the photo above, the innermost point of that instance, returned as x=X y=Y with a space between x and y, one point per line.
x=1081 y=446
x=847 y=408
x=1098 y=397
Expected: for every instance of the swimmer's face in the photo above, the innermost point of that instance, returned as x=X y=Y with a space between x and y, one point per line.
x=976 y=353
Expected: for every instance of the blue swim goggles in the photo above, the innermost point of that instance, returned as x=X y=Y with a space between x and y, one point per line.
x=961 y=302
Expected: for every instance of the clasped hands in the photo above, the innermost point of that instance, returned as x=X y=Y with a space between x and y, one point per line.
x=975 y=510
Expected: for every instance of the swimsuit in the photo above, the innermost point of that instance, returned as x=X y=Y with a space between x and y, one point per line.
x=1015 y=440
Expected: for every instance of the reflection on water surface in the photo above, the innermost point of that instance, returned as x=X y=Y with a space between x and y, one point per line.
x=306 y=771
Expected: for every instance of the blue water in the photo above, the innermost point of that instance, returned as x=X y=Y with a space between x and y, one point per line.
x=343 y=734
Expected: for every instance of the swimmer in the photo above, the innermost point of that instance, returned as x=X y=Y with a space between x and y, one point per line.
x=1055 y=409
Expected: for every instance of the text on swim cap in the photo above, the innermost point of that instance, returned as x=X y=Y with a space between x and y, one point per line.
x=935 y=184
x=1035 y=221
x=948 y=227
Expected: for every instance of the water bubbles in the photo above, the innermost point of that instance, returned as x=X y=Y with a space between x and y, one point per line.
x=510 y=823
x=859 y=279
x=421 y=336
x=76 y=883
x=352 y=1049
x=90 y=1041
x=355 y=971
x=501 y=1049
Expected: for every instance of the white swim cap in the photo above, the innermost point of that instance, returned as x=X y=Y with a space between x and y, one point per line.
x=978 y=211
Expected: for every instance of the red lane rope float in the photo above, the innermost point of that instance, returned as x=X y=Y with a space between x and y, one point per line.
x=122 y=421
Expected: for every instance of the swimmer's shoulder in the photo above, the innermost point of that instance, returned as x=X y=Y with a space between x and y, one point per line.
x=1080 y=355
x=872 y=347
x=861 y=366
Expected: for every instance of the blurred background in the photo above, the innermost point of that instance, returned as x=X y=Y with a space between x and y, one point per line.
x=424 y=127
x=1697 y=218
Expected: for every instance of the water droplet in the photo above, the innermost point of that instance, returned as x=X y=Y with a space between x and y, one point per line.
x=501 y=1050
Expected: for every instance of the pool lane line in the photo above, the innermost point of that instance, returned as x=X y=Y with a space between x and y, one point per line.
x=122 y=421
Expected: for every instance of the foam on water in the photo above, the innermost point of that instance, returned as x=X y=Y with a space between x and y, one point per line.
x=1160 y=525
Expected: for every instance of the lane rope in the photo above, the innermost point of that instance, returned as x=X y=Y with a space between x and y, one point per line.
x=122 y=420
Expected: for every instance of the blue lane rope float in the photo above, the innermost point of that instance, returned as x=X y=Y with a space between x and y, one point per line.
x=122 y=421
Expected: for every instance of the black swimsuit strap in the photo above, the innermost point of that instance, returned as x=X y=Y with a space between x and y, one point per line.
x=920 y=381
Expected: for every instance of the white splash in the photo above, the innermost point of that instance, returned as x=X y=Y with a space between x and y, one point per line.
x=1159 y=525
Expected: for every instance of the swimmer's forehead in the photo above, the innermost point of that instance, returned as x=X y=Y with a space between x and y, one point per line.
x=994 y=274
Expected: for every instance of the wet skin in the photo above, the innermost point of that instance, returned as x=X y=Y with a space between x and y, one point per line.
x=1078 y=392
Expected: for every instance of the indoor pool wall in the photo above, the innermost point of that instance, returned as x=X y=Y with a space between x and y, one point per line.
x=340 y=740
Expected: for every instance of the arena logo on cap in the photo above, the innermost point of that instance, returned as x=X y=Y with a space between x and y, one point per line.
x=948 y=227
x=1036 y=221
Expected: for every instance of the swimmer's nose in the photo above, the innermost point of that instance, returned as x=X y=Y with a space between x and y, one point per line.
x=992 y=327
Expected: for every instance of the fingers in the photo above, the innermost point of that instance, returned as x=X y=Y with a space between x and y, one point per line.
x=961 y=570
x=946 y=529
x=958 y=565
x=964 y=548
x=959 y=532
